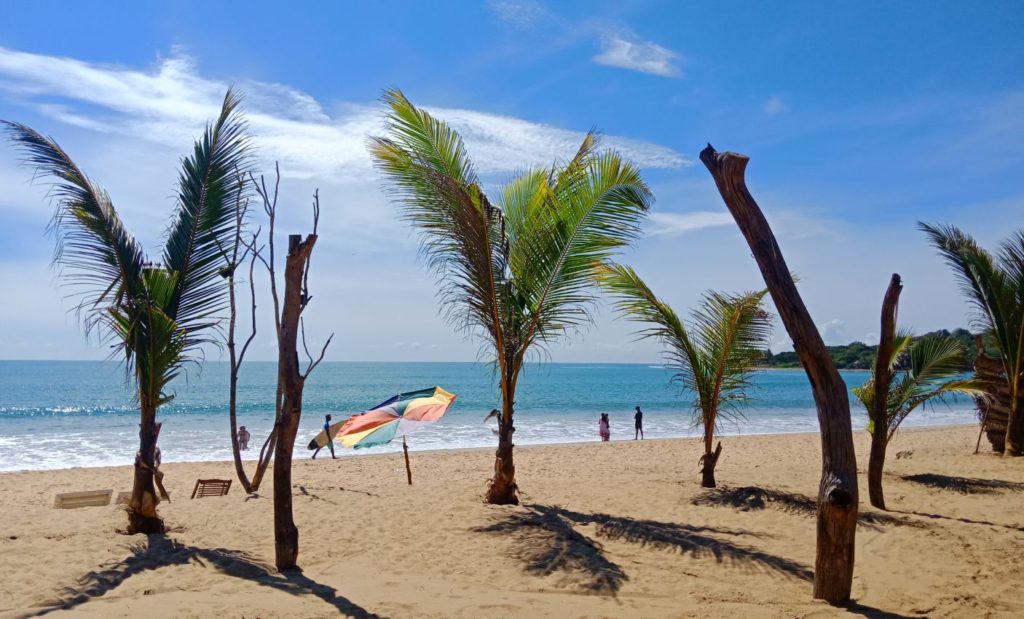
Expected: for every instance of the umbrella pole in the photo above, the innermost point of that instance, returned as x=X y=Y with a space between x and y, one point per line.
x=408 y=469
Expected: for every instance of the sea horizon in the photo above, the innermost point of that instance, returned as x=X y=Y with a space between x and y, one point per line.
x=63 y=414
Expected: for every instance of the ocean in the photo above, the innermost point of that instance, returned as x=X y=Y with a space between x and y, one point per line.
x=61 y=414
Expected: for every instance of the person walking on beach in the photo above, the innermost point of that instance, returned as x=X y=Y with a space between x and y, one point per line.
x=604 y=427
x=330 y=443
x=638 y=424
x=243 y=438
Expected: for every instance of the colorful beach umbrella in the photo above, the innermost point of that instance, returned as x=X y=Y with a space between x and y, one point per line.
x=393 y=418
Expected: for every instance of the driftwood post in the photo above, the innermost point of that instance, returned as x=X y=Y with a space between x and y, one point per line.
x=291 y=381
x=880 y=408
x=837 y=493
x=408 y=469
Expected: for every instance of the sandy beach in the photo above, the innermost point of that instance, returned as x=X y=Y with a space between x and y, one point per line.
x=618 y=529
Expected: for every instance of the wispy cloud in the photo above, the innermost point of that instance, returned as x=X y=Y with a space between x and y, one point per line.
x=775 y=106
x=619 y=46
x=673 y=224
x=623 y=50
x=518 y=12
x=170 y=102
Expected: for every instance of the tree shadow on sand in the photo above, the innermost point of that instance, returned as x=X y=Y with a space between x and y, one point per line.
x=161 y=551
x=547 y=542
x=751 y=498
x=964 y=485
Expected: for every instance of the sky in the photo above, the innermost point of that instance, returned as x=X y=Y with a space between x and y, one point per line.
x=860 y=119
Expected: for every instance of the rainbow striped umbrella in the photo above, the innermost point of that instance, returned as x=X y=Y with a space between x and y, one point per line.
x=394 y=418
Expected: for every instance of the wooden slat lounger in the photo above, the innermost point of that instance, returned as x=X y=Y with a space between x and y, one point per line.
x=211 y=487
x=89 y=498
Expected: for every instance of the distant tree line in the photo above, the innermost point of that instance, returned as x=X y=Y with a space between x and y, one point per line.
x=859 y=356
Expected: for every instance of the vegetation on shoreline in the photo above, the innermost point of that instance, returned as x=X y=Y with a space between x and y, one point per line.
x=859 y=356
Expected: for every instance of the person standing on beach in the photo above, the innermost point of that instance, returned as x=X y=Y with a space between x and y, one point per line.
x=330 y=443
x=604 y=427
x=243 y=438
x=638 y=424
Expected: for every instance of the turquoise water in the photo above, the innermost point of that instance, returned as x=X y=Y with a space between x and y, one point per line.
x=57 y=414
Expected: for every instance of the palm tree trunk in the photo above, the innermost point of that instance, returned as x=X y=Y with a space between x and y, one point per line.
x=709 y=460
x=142 y=515
x=876 y=462
x=880 y=405
x=503 y=489
x=290 y=381
x=1014 y=427
x=837 y=491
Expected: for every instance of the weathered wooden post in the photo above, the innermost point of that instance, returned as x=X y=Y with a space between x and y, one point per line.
x=837 y=493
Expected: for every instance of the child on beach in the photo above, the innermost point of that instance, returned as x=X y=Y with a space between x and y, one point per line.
x=243 y=438
x=604 y=427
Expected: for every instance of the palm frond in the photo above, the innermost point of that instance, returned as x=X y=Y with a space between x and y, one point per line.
x=715 y=356
x=463 y=236
x=97 y=257
x=208 y=186
x=594 y=208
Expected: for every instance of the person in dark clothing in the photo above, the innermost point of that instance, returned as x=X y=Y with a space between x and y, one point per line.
x=638 y=424
x=330 y=443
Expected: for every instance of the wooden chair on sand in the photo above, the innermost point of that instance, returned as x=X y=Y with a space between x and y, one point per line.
x=89 y=498
x=211 y=487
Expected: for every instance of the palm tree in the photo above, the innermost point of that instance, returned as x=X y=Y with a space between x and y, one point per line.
x=932 y=364
x=156 y=314
x=714 y=357
x=518 y=272
x=994 y=285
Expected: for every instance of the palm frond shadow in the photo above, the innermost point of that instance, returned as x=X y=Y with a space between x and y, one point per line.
x=750 y=498
x=964 y=485
x=161 y=551
x=548 y=542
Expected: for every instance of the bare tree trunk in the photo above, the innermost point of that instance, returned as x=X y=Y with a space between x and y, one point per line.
x=502 y=489
x=837 y=493
x=880 y=407
x=708 y=461
x=142 y=515
x=291 y=382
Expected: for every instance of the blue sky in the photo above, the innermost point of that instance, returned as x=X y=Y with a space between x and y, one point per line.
x=859 y=119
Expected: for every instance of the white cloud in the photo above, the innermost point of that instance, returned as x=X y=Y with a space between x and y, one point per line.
x=627 y=52
x=672 y=224
x=775 y=106
x=834 y=332
x=518 y=12
x=170 y=102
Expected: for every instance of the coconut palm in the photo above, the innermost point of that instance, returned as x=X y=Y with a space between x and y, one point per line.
x=994 y=286
x=157 y=315
x=931 y=366
x=714 y=357
x=517 y=271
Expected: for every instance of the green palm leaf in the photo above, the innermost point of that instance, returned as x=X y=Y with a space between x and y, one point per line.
x=98 y=259
x=208 y=186
x=713 y=357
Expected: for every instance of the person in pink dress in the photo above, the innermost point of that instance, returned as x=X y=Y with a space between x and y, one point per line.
x=604 y=427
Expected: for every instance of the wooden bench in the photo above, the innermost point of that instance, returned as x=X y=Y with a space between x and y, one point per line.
x=211 y=487
x=88 y=498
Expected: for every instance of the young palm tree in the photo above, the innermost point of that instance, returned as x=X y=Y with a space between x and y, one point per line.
x=713 y=357
x=994 y=285
x=518 y=271
x=934 y=362
x=157 y=314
